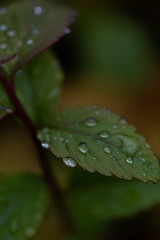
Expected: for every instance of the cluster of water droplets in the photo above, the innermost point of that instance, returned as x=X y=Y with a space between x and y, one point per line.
x=38 y=11
x=128 y=146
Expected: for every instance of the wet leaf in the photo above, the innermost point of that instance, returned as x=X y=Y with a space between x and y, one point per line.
x=29 y=27
x=38 y=88
x=99 y=140
x=95 y=197
x=23 y=201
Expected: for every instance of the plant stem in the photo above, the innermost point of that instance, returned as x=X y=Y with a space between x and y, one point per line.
x=44 y=162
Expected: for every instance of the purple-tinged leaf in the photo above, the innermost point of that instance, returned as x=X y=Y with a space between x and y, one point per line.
x=28 y=28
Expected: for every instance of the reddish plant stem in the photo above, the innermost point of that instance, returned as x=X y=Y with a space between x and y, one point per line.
x=44 y=162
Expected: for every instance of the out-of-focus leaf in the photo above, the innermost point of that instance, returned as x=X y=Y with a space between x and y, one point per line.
x=5 y=111
x=38 y=88
x=95 y=197
x=115 y=46
x=29 y=27
x=23 y=201
x=99 y=140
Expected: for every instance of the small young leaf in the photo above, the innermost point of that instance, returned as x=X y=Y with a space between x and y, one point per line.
x=23 y=201
x=38 y=88
x=99 y=140
x=29 y=27
x=108 y=199
x=5 y=111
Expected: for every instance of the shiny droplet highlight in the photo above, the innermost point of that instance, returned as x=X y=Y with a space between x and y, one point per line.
x=70 y=162
x=90 y=122
x=83 y=147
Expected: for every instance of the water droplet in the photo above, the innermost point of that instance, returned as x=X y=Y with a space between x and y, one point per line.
x=38 y=10
x=104 y=134
x=3 y=27
x=148 y=146
x=30 y=41
x=144 y=174
x=29 y=232
x=142 y=159
x=67 y=30
x=3 y=46
x=83 y=147
x=114 y=126
x=35 y=31
x=123 y=120
x=108 y=111
x=55 y=138
x=3 y=10
x=129 y=160
x=45 y=145
x=19 y=72
x=90 y=122
x=9 y=110
x=94 y=158
x=107 y=150
x=14 y=227
x=67 y=141
x=70 y=162
x=11 y=33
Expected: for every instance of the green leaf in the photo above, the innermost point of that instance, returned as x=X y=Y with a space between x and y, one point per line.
x=38 y=87
x=95 y=197
x=29 y=27
x=23 y=201
x=99 y=140
x=4 y=111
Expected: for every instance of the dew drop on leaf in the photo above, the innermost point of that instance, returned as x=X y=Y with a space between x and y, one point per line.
x=30 y=42
x=9 y=110
x=3 y=46
x=147 y=145
x=3 y=27
x=11 y=33
x=90 y=122
x=45 y=145
x=38 y=10
x=129 y=160
x=123 y=120
x=108 y=111
x=70 y=162
x=83 y=147
x=107 y=150
x=67 y=30
x=35 y=31
x=104 y=134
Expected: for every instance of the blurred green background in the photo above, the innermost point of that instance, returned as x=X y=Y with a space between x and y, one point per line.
x=111 y=58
